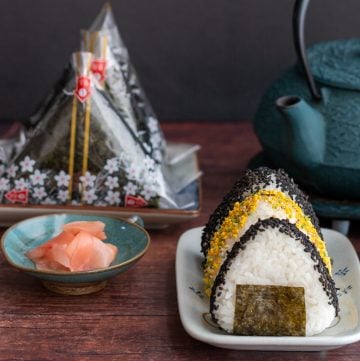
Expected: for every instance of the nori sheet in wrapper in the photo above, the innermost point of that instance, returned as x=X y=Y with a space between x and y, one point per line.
x=117 y=77
x=121 y=82
x=108 y=73
x=83 y=152
x=268 y=310
x=50 y=100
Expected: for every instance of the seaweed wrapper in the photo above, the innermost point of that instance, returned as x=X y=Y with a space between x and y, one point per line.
x=267 y=310
x=83 y=152
x=117 y=77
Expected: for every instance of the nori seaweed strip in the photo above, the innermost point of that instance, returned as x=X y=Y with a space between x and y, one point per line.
x=253 y=181
x=291 y=230
x=269 y=310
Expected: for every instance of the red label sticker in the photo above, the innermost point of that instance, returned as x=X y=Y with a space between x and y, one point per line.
x=138 y=202
x=83 y=88
x=98 y=68
x=18 y=196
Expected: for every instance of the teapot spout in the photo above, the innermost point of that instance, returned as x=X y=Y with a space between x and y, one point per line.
x=306 y=138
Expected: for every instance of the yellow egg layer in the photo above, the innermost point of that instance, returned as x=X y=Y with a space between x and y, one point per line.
x=236 y=220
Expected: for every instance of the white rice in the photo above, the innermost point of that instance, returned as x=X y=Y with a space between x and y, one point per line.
x=264 y=210
x=274 y=258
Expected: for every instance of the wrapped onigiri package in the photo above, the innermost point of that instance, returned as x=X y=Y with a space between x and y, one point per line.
x=116 y=76
x=114 y=70
x=82 y=152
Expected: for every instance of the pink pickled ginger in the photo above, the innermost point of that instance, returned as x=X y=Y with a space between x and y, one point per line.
x=96 y=228
x=79 y=247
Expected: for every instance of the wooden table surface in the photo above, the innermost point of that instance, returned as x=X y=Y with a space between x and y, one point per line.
x=136 y=316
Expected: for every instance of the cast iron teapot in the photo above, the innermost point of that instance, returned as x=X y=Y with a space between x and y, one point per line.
x=308 y=122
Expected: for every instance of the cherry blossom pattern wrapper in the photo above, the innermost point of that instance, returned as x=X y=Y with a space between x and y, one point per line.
x=82 y=152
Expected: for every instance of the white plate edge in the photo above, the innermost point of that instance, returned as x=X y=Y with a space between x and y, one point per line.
x=318 y=342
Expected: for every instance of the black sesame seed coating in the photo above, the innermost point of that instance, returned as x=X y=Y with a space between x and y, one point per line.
x=252 y=182
x=291 y=230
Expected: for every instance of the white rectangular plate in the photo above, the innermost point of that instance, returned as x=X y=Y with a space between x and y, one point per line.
x=194 y=305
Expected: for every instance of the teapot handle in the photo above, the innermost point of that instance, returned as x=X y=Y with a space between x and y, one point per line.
x=299 y=14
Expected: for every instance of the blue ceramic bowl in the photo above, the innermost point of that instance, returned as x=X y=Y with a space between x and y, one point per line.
x=130 y=238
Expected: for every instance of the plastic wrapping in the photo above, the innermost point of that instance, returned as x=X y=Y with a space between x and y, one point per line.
x=113 y=68
x=83 y=152
x=95 y=139
x=12 y=139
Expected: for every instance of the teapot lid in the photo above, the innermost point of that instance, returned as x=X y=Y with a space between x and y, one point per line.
x=336 y=63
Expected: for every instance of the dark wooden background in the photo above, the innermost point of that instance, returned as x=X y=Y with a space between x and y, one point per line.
x=197 y=59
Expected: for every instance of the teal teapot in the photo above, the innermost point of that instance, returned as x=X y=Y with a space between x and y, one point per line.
x=308 y=121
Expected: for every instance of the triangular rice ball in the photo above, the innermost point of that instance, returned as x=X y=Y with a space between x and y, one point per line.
x=274 y=252
x=263 y=204
x=118 y=79
x=262 y=178
x=83 y=152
